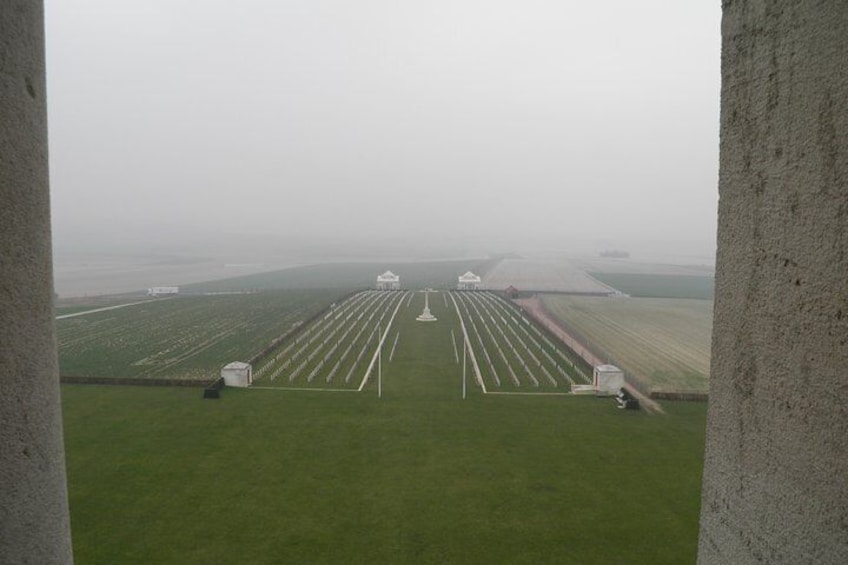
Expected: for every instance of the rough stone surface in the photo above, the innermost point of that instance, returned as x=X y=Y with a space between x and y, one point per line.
x=34 y=524
x=775 y=486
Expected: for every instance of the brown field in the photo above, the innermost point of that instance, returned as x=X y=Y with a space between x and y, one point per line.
x=663 y=343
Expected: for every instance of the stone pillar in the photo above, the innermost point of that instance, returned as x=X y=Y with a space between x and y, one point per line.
x=775 y=486
x=34 y=523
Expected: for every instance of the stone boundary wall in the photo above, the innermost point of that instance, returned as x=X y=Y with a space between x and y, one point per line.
x=684 y=396
x=134 y=381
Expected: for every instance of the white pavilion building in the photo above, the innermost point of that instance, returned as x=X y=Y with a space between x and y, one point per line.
x=468 y=281
x=388 y=281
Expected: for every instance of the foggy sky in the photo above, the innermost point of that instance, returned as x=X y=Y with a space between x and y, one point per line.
x=511 y=119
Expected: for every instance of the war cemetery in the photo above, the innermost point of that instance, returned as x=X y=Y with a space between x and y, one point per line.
x=423 y=418
x=503 y=350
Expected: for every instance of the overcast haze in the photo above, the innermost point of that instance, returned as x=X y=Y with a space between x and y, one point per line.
x=515 y=121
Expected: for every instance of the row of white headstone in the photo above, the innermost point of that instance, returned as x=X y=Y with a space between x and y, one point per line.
x=338 y=326
x=524 y=325
x=510 y=346
x=477 y=334
x=284 y=352
x=497 y=318
x=353 y=307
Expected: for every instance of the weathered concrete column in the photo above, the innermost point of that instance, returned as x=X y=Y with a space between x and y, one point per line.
x=34 y=524
x=775 y=486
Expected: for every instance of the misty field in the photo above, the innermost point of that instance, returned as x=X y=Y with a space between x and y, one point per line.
x=350 y=276
x=662 y=342
x=194 y=335
x=293 y=471
x=188 y=337
x=653 y=285
x=159 y=475
x=71 y=306
x=542 y=276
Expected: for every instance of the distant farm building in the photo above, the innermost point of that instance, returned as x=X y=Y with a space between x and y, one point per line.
x=510 y=292
x=607 y=379
x=237 y=374
x=388 y=281
x=468 y=281
x=163 y=291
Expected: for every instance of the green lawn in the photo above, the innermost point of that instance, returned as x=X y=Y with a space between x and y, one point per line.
x=158 y=475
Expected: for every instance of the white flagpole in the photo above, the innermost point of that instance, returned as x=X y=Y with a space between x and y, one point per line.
x=379 y=363
x=464 y=350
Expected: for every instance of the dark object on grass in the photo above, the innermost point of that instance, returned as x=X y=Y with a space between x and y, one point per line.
x=625 y=400
x=213 y=390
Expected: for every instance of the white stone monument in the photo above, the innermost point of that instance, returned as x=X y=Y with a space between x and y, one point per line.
x=237 y=374
x=607 y=380
x=426 y=316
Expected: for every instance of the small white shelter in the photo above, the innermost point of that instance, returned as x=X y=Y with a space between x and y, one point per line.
x=388 y=281
x=163 y=291
x=237 y=374
x=607 y=380
x=468 y=281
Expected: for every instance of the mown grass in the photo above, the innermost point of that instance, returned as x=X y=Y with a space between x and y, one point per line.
x=159 y=475
x=665 y=343
x=699 y=287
